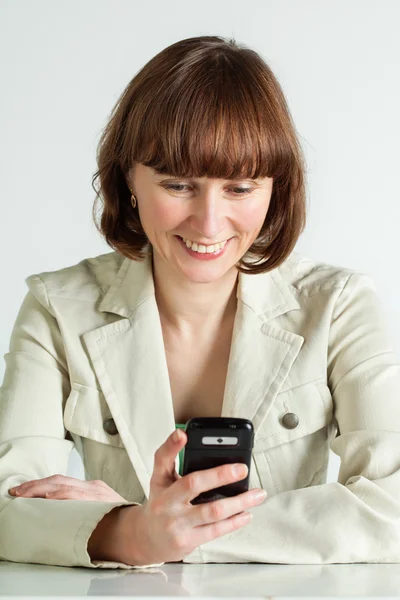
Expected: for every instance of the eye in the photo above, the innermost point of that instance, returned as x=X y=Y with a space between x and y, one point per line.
x=239 y=191
x=242 y=190
x=175 y=187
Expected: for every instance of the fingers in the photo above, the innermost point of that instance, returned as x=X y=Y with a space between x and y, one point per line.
x=36 y=489
x=73 y=493
x=206 y=533
x=52 y=480
x=66 y=488
x=226 y=508
x=64 y=492
x=193 y=484
x=98 y=492
x=164 y=460
x=214 y=515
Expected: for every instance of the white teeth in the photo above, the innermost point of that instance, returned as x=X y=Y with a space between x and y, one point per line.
x=204 y=249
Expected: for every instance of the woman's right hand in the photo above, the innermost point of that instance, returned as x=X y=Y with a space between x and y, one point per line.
x=168 y=527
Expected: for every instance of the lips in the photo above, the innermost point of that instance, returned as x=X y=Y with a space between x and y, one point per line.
x=203 y=244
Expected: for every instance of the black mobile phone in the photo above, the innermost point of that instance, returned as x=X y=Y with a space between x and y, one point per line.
x=214 y=441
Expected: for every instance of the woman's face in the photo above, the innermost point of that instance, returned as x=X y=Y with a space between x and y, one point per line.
x=201 y=210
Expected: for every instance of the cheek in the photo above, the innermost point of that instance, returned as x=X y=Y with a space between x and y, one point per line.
x=161 y=216
x=252 y=218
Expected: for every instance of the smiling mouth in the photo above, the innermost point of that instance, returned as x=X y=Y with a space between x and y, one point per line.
x=204 y=254
x=203 y=243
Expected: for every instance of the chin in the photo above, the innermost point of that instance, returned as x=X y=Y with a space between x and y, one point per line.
x=205 y=275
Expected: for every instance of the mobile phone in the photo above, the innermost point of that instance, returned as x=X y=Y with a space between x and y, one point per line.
x=214 y=441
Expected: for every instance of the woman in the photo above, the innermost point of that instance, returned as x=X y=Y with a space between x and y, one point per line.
x=114 y=353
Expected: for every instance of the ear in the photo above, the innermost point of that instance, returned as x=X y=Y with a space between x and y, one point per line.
x=128 y=176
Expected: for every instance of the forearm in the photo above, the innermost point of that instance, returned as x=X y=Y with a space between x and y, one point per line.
x=322 y=524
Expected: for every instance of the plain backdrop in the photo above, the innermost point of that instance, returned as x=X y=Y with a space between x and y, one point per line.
x=65 y=63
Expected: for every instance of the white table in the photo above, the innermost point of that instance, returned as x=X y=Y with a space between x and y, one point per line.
x=203 y=580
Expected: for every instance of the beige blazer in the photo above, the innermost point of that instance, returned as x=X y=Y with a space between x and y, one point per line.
x=309 y=338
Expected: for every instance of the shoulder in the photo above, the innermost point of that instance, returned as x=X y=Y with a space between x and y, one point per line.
x=308 y=276
x=88 y=279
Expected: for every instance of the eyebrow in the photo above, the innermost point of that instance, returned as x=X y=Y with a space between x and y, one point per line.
x=161 y=174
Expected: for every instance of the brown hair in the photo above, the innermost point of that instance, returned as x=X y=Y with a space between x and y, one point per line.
x=203 y=106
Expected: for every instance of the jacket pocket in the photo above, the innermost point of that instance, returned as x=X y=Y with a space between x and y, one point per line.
x=103 y=454
x=291 y=448
x=85 y=414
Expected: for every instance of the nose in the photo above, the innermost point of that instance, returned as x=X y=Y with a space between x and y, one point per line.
x=208 y=216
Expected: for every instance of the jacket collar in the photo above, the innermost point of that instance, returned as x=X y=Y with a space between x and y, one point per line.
x=129 y=358
x=267 y=294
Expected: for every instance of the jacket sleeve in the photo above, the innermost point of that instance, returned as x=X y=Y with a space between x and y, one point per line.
x=33 y=445
x=357 y=518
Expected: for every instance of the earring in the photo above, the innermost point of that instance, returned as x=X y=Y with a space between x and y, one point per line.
x=133 y=199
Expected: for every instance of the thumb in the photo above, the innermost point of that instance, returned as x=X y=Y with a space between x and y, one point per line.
x=164 y=473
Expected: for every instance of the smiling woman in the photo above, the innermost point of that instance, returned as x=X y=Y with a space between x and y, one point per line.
x=202 y=310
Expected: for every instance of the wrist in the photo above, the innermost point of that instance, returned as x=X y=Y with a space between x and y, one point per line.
x=113 y=539
x=132 y=537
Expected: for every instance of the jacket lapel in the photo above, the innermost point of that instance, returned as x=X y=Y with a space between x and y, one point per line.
x=129 y=358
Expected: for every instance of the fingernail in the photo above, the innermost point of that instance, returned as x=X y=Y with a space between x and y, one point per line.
x=260 y=495
x=247 y=516
x=176 y=436
x=240 y=469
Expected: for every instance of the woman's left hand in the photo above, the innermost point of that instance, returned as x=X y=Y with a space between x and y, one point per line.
x=60 y=487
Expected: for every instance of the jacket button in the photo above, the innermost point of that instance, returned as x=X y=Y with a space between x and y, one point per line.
x=290 y=420
x=110 y=427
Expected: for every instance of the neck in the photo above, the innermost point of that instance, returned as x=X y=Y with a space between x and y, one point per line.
x=190 y=308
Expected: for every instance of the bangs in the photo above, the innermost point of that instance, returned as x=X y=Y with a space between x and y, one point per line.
x=215 y=119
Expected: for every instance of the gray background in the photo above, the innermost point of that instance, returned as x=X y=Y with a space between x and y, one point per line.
x=64 y=64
